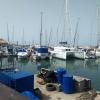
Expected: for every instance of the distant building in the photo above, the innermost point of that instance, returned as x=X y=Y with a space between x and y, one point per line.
x=3 y=42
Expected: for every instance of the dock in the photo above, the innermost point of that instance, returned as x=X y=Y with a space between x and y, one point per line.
x=55 y=95
x=7 y=93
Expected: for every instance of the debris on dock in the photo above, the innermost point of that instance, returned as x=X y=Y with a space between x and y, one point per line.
x=82 y=90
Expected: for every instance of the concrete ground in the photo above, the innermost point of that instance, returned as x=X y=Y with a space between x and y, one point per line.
x=7 y=93
x=55 y=95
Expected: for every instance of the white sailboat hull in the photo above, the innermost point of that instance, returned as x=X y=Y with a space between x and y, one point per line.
x=81 y=55
x=61 y=52
x=62 y=55
x=97 y=53
x=84 y=55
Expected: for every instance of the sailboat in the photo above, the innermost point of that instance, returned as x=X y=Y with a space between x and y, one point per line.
x=82 y=53
x=63 y=51
x=40 y=51
x=97 y=50
x=22 y=52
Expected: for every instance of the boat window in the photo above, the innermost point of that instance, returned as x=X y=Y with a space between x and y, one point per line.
x=67 y=49
x=34 y=52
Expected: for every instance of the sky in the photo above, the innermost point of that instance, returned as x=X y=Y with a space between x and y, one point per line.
x=25 y=15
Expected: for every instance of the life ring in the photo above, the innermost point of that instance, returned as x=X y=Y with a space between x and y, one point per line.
x=50 y=87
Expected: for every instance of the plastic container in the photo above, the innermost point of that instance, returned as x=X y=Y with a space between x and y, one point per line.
x=68 y=83
x=29 y=95
x=60 y=72
x=18 y=80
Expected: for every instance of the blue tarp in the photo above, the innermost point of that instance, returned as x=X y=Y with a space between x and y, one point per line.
x=20 y=80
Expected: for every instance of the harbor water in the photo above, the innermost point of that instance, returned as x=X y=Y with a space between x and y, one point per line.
x=85 y=68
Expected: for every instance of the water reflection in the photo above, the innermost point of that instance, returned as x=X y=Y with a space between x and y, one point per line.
x=88 y=63
x=43 y=64
x=22 y=60
x=10 y=59
x=89 y=68
x=7 y=61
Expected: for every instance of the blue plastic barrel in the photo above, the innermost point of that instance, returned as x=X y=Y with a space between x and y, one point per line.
x=68 y=83
x=60 y=72
x=29 y=95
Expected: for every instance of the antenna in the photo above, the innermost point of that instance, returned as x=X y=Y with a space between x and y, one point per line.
x=41 y=29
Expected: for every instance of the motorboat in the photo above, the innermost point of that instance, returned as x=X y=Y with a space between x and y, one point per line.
x=22 y=53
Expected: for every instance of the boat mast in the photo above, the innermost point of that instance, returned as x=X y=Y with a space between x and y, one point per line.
x=98 y=26
x=57 y=34
x=76 y=33
x=13 y=35
x=7 y=33
x=46 y=37
x=50 y=37
x=41 y=30
x=65 y=20
x=67 y=23
x=23 y=38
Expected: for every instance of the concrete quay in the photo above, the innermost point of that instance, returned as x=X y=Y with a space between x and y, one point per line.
x=55 y=95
